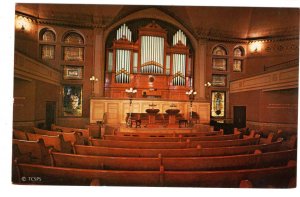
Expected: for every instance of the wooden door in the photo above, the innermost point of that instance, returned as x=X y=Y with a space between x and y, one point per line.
x=50 y=114
x=239 y=116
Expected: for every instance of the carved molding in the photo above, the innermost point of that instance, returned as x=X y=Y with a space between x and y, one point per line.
x=116 y=109
x=281 y=79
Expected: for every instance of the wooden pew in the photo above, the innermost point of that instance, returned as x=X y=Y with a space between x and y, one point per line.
x=104 y=162
x=161 y=145
x=174 y=134
x=20 y=135
x=247 y=161
x=56 y=142
x=171 y=139
x=277 y=176
x=85 y=132
x=36 y=151
x=72 y=137
x=186 y=152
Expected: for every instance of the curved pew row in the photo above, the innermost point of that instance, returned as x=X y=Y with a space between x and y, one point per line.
x=173 y=134
x=178 y=145
x=185 y=152
x=172 y=139
x=84 y=132
x=278 y=177
x=72 y=137
x=57 y=142
x=247 y=161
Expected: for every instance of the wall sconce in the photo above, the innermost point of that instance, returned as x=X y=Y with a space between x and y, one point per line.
x=22 y=23
x=93 y=80
x=207 y=84
x=255 y=47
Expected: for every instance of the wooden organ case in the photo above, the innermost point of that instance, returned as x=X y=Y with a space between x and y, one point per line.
x=156 y=68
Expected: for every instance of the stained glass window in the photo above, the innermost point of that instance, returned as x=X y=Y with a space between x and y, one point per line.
x=73 y=38
x=219 y=64
x=48 y=36
x=219 y=80
x=73 y=53
x=47 y=51
x=238 y=54
x=47 y=48
x=218 y=104
x=219 y=51
x=237 y=65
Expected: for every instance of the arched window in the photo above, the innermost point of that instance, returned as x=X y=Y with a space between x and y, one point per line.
x=73 y=49
x=219 y=50
x=219 y=61
x=47 y=44
x=73 y=38
x=238 y=54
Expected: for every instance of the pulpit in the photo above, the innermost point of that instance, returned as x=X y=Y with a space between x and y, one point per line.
x=151 y=117
x=172 y=117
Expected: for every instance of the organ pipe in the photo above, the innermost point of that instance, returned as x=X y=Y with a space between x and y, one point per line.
x=179 y=36
x=124 y=31
x=122 y=66
x=152 y=54
x=179 y=63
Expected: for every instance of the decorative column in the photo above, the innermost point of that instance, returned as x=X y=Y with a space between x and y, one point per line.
x=199 y=69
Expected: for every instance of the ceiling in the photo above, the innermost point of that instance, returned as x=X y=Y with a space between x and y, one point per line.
x=231 y=22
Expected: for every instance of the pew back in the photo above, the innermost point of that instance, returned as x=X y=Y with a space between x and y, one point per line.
x=85 y=132
x=246 y=161
x=173 y=134
x=57 y=142
x=169 y=145
x=72 y=137
x=276 y=176
x=20 y=135
x=37 y=150
x=171 y=139
x=186 y=152
x=131 y=152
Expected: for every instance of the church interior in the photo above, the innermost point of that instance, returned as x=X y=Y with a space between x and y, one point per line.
x=164 y=96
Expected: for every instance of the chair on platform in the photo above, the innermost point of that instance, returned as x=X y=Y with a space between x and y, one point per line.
x=183 y=122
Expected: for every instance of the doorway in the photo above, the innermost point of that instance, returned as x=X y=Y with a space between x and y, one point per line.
x=239 y=116
x=50 y=114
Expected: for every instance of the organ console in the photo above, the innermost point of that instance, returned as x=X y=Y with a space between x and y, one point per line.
x=130 y=62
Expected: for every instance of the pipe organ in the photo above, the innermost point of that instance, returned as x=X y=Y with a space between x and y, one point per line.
x=150 y=59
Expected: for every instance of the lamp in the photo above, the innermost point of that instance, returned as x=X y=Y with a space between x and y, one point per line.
x=93 y=80
x=191 y=94
x=207 y=84
x=130 y=93
x=255 y=46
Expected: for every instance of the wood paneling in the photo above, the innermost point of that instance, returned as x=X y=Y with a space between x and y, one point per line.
x=282 y=79
x=116 y=109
